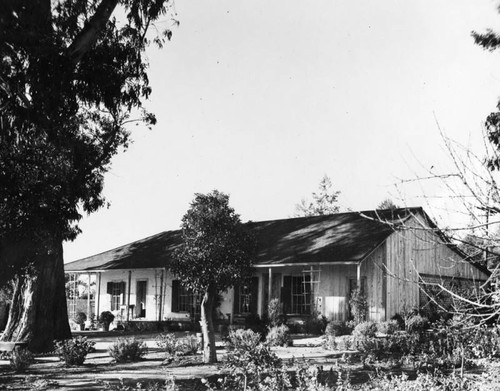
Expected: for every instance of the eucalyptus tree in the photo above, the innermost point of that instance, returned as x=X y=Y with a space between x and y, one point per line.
x=72 y=76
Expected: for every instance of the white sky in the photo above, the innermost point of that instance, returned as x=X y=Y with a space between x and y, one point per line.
x=260 y=99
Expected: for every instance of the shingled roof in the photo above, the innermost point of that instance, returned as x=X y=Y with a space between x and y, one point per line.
x=336 y=238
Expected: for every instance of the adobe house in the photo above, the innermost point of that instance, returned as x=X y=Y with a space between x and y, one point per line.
x=309 y=263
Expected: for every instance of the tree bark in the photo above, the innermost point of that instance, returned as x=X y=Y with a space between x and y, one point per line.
x=207 y=326
x=38 y=313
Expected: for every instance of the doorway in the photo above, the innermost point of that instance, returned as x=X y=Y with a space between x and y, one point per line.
x=140 y=299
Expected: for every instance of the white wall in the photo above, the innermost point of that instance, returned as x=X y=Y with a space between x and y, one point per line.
x=153 y=290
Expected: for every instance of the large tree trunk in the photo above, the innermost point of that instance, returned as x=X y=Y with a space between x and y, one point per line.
x=207 y=326
x=38 y=313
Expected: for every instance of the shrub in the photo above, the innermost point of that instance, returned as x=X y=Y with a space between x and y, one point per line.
x=21 y=359
x=80 y=318
x=167 y=342
x=424 y=381
x=242 y=340
x=255 y=323
x=315 y=324
x=416 y=324
x=365 y=329
x=359 y=305
x=388 y=328
x=169 y=385
x=400 y=320
x=279 y=336
x=274 y=315
x=252 y=365
x=73 y=351
x=336 y=328
x=127 y=349
x=341 y=343
x=187 y=345
x=307 y=378
x=106 y=318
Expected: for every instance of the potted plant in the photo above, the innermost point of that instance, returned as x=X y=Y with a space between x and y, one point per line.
x=105 y=319
x=80 y=318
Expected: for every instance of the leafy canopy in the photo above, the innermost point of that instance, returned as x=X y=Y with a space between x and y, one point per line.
x=216 y=251
x=71 y=78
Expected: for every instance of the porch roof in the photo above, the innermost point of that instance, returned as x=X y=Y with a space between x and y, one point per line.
x=336 y=238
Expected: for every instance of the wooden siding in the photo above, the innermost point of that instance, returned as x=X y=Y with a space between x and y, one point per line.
x=416 y=250
x=334 y=290
x=373 y=268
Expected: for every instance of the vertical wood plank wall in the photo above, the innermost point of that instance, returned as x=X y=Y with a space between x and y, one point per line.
x=334 y=289
x=373 y=268
x=416 y=250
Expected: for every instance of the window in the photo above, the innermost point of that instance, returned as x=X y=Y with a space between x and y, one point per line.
x=244 y=302
x=183 y=300
x=116 y=290
x=301 y=295
x=245 y=297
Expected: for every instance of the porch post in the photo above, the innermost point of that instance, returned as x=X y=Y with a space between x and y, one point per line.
x=128 y=294
x=270 y=285
x=88 y=297
x=98 y=295
x=160 y=310
x=358 y=270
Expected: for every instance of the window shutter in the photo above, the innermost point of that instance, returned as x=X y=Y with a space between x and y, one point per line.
x=175 y=296
x=236 y=300
x=286 y=294
x=254 y=294
x=109 y=288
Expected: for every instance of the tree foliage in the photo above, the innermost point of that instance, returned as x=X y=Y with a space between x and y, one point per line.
x=216 y=253
x=387 y=204
x=71 y=76
x=216 y=250
x=323 y=202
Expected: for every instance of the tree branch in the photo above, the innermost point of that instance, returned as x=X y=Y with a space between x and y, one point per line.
x=88 y=36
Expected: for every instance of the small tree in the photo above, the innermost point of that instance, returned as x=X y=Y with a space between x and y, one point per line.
x=324 y=201
x=216 y=253
x=387 y=204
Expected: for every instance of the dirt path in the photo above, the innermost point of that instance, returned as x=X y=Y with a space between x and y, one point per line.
x=49 y=373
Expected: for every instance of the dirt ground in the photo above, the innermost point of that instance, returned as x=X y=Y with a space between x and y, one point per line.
x=48 y=373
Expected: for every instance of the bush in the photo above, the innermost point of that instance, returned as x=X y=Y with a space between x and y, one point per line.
x=423 y=382
x=416 y=324
x=73 y=351
x=342 y=343
x=242 y=340
x=399 y=320
x=365 y=329
x=315 y=324
x=167 y=342
x=168 y=385
x=388 y=328
x=127 y=349
x=80 y=318
x=274 y=315
x=359 y=305
x=255 y=323
x=252 y=365
x=188 y=345
x=21 y=359
x=106 y=317
x=336 y=328
x=279 y=336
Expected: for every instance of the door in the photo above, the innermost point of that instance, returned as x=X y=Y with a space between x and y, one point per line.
x=140 y=299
